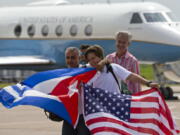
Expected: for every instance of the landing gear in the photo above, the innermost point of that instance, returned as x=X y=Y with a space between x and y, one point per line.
x=166 y=91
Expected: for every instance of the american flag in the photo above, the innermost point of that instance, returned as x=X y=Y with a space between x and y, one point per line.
x=145 y=113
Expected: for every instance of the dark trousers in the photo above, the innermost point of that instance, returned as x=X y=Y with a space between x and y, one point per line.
x=81 y=128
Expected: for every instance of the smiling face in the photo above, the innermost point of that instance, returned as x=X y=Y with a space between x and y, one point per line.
x=122 y=44
x=93 y=59
x=72 y=58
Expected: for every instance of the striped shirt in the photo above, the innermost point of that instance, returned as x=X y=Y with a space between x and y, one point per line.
x=129 y=62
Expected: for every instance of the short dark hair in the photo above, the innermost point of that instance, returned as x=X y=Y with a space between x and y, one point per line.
x=97 y=50
x=73 y=49
x=84 y=46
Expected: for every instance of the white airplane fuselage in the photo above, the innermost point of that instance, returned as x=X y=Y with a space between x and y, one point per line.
x=47 y=31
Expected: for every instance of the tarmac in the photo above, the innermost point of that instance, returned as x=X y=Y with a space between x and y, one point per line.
x=28 y=120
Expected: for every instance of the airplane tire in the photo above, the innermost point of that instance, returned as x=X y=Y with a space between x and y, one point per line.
x=164 y=92
x=170 y=91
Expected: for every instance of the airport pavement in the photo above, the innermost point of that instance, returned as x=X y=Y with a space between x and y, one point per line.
x=27 y=120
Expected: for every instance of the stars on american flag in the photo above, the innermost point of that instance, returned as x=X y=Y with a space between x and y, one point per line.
x=113 y=113
x=98 y=100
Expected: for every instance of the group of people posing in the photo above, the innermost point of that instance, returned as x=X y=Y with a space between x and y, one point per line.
x=124 y=71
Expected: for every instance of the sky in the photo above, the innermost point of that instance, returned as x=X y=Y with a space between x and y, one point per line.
x=172 y=4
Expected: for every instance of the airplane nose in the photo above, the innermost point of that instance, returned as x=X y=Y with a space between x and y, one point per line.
x=168 y=34
x=175 y=25
x=178 y=26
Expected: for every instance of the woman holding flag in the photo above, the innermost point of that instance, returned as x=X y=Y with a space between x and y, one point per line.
x=108 y=111
x=105 y=79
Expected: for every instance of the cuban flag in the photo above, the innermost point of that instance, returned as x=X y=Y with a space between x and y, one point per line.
x=54 y=90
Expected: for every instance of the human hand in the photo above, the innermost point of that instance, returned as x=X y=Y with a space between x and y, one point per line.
x=102 y=63
x=156 y=85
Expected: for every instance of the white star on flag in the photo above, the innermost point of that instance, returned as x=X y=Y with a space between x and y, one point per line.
x=73 y=88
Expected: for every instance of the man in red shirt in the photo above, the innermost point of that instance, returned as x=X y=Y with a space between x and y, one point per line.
x=124 y=58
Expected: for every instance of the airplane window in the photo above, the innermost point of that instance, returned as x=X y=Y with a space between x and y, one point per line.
x=45 y=30
x=154 y=17
x=172 y=17
x=18 y=30
x=59 y=30
x=136 y=18
x=88 y=30
x=73 y=30
x=31 y=30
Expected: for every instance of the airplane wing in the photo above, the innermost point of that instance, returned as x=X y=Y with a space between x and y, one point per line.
x=25 y=60
x=48 y=3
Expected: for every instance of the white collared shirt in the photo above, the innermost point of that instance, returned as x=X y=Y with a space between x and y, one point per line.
x=107 y=81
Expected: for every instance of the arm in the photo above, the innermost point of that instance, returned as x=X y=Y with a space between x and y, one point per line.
x=126 y=75
x=135 y=69
x=138 y=79
x=102 y=63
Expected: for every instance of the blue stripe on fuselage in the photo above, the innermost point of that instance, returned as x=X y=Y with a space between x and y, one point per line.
x=155 y=52
x=54 y=49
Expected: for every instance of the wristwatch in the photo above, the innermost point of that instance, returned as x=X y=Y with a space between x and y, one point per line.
x=148 y=83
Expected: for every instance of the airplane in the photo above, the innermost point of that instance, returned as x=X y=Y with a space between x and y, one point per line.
x=36 y=36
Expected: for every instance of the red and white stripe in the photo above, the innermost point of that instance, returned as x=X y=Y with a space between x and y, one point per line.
x=149 y=116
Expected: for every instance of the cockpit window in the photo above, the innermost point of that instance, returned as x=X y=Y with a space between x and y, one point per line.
x=172 y=17
x=154 y=17
x=136 y=18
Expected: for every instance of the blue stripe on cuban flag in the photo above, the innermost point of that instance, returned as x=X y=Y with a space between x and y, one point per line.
x=35 y=91
x=52 y=74
x=15 y=95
